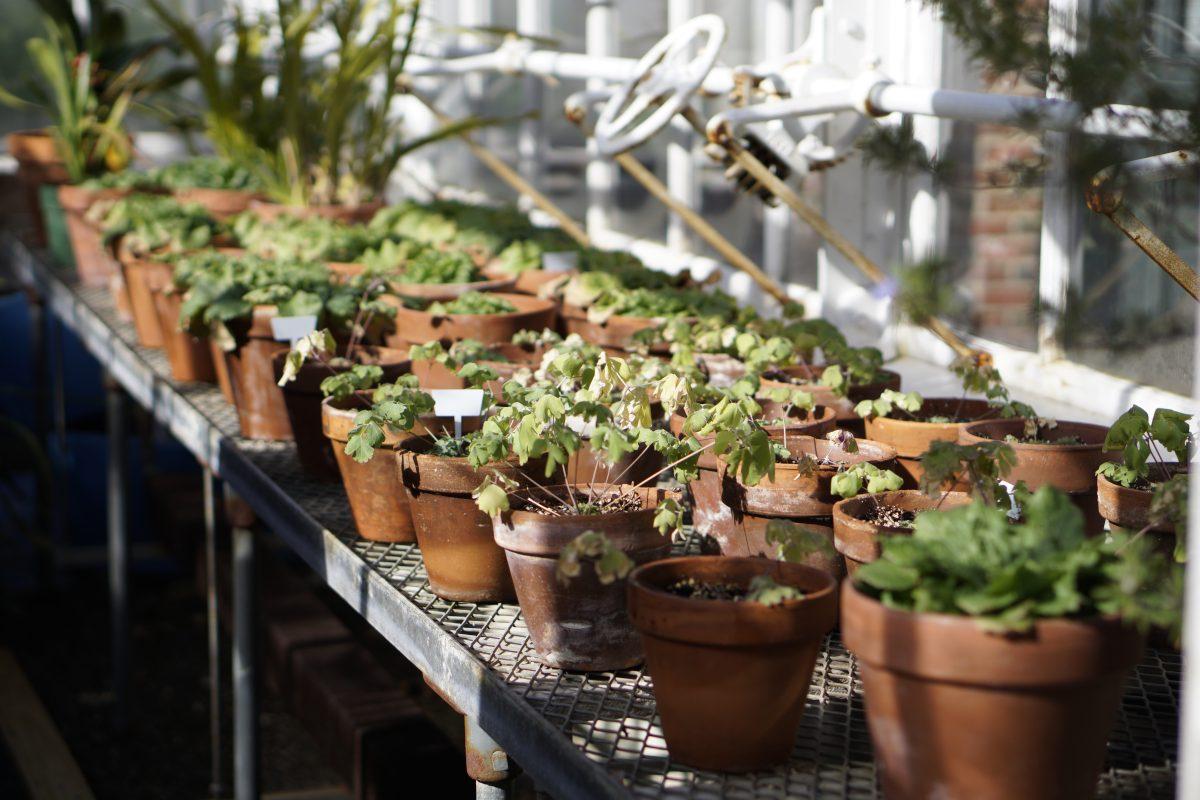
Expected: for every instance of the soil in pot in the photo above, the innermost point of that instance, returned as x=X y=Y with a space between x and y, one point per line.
x=461 y=555
x=262 y=413
x=377 y=498
x=190 y=358
x=730 y=677
x=807 y=377
x=987 y=716
x=582 y=624
x=414 y=326
x=302 y=397
x=940 y=419
x=860 y=523
x=93 y=264
x=1065 y=457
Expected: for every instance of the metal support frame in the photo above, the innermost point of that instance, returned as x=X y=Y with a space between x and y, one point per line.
x=487 y=763
x=45 y=512
x=216 y=784
x=246 y=763
x=118 y=547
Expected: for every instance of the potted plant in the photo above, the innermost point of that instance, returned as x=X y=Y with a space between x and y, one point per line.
x=479 y=231
x=1034 y=625
x=911 y=423
x=234 y=305
x=731 y=644
x=190 y=357
x=490 y=318
x=523 y=261
x=139 y=226
x=1142 y=492
x=221 y=187
x=314 y=369
x=851 y=375
x=310 y=239
x=438 y=366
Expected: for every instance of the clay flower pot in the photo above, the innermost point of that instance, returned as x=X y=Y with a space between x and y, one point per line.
x=806 y=377
x=335 y=211
x=221 y=204
x=798 y=495
x=222 y=370
x=38 y=164
x=1069 y=467
x=912 y=438
x=583 y=624
x=461 y=555
x=710 y=515
x=418 y=327
x=859 y=540
x=377 y=498
x=190 y=358
x=957 y=712
x=616 y=332
x=140 y=273
x=1130 y=508
x=93 y=264
x=730 y=678
x=262 y=413
x=302 y=397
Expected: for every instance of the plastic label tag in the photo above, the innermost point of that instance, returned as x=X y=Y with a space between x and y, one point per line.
x=292 y=329
x=1014 y=510
x=560 y=261
x=457 y=403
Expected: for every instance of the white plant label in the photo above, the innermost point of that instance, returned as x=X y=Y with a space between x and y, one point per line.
x=560 y=261
x=457 y=403
x=292 y=329
x=1014 y=509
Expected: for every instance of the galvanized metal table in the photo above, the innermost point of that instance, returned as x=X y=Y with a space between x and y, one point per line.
x=576 y=735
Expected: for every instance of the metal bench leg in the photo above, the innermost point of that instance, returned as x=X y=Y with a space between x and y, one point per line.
x=118 y=548
x=216 y=784
x=245 y=659
x=487 y=763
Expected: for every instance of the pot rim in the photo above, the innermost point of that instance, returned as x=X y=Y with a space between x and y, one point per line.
x=637 y=578
x=969 y=436
x=526 y=306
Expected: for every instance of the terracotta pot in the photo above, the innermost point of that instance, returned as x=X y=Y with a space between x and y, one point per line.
x=461 y=556
x=93 y=264
x=912 y=438
x=38 y=164
x=221 y=204
x=616 y=332
x=722 y=370
x=302 y=397
x=418 y=327
x=341 y=213
x=710 y=516
x=805 y=376
x=140 y=272
x=956 y=712
x=377 y=498
x=730 y=678
x=190 y=358
x=859 y=541
x=1129 y=508
x=222 y=371
x=1069 y=467
x=583 y=624
x=262 y=413
x=433 y=375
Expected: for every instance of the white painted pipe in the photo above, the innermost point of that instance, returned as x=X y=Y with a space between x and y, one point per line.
x=681 y=169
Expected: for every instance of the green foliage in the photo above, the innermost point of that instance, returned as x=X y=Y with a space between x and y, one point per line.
x=851 y=480
x=395 y=407
x=979 y=376
x=764 y=590
x=357 y=378
x=318 y=345
x=148 y=223
x=610 y=562
x=1169 y=507
x=797 y=543
x=313 y=239
x=668 y=516
x=391 y=256
x=491 y=498
x=895 y=148
x=882 y=406
x=205 y=172
x=973 y=561
x=926 y=290
x=980 y=465
x=434 y=266
x=1139 y=439
x=472 y=303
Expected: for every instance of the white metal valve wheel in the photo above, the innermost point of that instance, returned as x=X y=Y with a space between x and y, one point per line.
x=666 y=75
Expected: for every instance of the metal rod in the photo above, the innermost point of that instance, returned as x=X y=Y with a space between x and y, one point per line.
x=1187 y=782
x=810 y=215
x=510 y=176
x=216 y=785
x=44 y=510
x=245 y=669
x=1159 y=251
x=118 y=549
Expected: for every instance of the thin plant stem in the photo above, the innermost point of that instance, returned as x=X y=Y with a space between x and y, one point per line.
x=673 y=464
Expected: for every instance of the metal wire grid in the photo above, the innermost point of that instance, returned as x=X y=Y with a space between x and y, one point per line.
x=610 y=717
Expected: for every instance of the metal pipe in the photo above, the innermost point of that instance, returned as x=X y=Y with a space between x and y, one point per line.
x=776 y=223
x=216 y=784
x=118 y=549
x=532 y=19
x=1188 y=779
x=681 y=169
x=601 y=176
x=245 y=668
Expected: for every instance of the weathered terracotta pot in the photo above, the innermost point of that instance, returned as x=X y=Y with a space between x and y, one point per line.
x=302 y=397
x=730 y=678
x=1129 y=508
x=262 y=412
x=139 y=273
x=190 y=358
x=859 y=541
x=806 y=377
x=222 y=371
x=616 y=332
x=461 y=556
x=418 y=327
x=341 y=213
x=1069 y=467
x=583 y=624
x=912 y=438
x=38 y=164
x=93 y=264
x=710 y=515
x=433 y=375
x=958 y=713
x=377 y=498
x=221 y=204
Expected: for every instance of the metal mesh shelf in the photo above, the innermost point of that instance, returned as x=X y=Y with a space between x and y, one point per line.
x=608 y=718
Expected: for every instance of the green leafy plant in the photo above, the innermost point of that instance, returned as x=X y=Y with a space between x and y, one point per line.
x=611 y=564
x=345 y=378
x=470 y=303
x=395 y=407
x=907 y=403
x=148 y=223
x=981 y=466
x=433 y=266
x=1142 y=442
x=974 y=561
x=314 y=239
x=205 y=172
x=980 y=376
